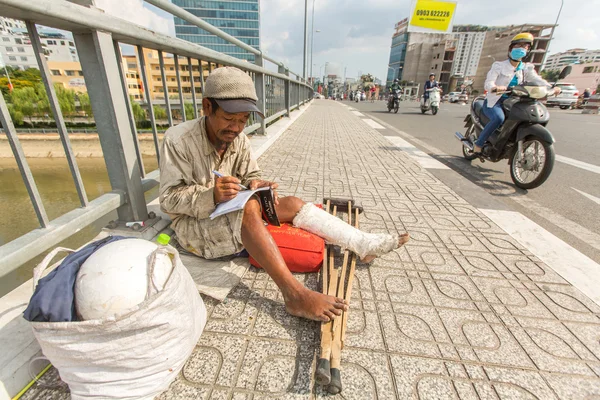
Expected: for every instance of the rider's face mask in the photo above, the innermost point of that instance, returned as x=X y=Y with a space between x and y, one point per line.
x=517 y=53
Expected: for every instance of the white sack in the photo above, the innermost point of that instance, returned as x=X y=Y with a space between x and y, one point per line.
x=135 y=355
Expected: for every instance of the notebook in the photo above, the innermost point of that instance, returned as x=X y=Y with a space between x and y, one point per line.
x=267 y=202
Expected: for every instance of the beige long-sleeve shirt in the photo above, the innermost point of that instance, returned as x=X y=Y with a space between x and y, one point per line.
x=186 y=185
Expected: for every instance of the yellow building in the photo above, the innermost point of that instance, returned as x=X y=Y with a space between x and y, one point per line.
x=155 y=79
x=68 y=74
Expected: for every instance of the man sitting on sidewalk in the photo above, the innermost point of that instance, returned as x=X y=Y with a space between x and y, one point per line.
x=189 y=193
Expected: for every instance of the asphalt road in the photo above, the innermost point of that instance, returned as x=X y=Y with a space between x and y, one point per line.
x=567 y=204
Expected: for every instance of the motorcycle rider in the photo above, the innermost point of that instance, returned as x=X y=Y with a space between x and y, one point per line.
x=504 y=75
x=395 y=86
x=430 y=84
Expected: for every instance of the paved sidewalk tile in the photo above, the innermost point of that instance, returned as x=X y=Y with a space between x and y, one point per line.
x=462 y=311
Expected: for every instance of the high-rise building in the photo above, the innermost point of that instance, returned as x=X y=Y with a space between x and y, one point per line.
x=444 y=54
x=155 y=83
x=469 y=44
x=7 y=25
x=16 y=49
x=427 y=53
x=573 y=56
x=398 y=51
x=240 y=19
x=414 y=55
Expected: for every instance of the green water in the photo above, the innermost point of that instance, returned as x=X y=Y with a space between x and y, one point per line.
x=57 y=190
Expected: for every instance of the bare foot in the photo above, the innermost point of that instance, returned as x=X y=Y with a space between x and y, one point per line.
x=401 y=241
x=315 y=306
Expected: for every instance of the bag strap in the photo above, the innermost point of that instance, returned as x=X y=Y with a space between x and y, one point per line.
x=167 y=250
x=38 y=271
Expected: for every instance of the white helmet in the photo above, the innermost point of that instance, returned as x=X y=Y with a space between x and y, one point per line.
x=115 y=278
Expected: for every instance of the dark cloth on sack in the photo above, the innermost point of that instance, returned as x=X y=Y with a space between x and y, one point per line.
x=54 y=297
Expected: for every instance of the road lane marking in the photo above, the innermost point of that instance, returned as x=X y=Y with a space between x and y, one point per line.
x=589 y=196
x=421 y=157
x=373 y=124
x=498 y=188
x=575 y=267
x=579 y=164
x=358 y=113
x=573 y=228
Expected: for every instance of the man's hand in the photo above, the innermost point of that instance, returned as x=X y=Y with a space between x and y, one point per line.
x=258 y=183
x=557 y=90
x=499 y=89
x=226 y=188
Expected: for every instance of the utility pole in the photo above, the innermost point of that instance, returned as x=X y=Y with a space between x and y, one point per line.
x=562 y=3
x=312 y=39
x=3 y=65
x=305 y=38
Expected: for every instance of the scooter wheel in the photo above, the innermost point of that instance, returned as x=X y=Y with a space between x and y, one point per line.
x=526 y=179
x=468 y=154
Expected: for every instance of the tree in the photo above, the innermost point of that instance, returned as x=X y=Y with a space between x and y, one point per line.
x=19 y=78
x=550 y=75
x=159 y=112
x=189 y=111
x=15 y=115
x=85 y=105
x=367 y=78
x=66 y=99
x=139 y=114
x=43 y=103
x=24 y=100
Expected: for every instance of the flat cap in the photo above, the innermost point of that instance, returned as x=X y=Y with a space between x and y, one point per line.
x=233 y=89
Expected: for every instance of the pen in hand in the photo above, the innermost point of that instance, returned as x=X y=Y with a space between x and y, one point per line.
x=220 y=175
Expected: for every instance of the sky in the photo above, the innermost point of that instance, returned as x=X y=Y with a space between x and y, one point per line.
x=356 y=35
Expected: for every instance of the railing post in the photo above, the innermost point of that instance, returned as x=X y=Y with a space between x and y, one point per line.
x=299 y=91
x=163 y=76
x=285 y=71
x=259 y=84
x=107 y=97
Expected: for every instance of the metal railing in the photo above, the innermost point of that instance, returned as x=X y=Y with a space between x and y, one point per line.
x=98 y=38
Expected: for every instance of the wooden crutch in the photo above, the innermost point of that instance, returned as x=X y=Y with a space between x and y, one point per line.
x=331 y=285
x=335 y=384
x=323 y=374
x=350 y=282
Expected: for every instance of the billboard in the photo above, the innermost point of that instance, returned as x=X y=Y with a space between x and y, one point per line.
x=401 y=26
x=432 y=16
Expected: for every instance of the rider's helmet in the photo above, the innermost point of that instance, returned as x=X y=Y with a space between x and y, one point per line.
x=432 y=74
x=396 y=80
x=523 y=37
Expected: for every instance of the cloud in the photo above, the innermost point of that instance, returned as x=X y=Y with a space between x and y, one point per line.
x=587 y=34
x=357 y=34
x=144 y=15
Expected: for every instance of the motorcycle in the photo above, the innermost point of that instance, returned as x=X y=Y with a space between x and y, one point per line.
x=433 y=103
x=581 y=102
x=394 y=102
x=523 y=139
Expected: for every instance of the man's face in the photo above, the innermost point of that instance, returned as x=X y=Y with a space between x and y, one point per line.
x=226 y=127
x=432 y=78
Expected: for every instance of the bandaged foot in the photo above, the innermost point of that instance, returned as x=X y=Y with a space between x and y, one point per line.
x=335 y=231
